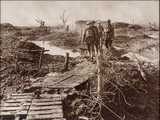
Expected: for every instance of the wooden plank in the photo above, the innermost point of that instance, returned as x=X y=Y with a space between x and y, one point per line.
x=47 y=103
x=60 y=86
x=21 y=97
x=17 y=100
x=46 y=100
x=58 y=111
x=55 y=107
x=47 y=107
x=69 y=83
x=51 y=96
x=13 y=108
x=53 y=116
x=14 y=104
x=66 y=78
x=12 y=113
x=23 y=94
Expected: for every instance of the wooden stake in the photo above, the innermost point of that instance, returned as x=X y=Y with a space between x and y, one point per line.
x=99 y=77
x=40 y=59
x=66 y=61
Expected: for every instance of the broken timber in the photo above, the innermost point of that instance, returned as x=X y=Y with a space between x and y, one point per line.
x=66 y=81
x=25 y=106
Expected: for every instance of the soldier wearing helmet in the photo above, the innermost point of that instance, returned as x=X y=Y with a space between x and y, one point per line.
x=100 y=31
x=91 y=37
x=109 y=34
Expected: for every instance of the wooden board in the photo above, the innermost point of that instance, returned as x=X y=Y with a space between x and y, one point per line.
x=16 y=104
x=45 y=117
x=68 y=80
x=48 y=107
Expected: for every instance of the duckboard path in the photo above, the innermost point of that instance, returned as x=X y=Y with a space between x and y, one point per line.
x=22 y=106
x=25 y=106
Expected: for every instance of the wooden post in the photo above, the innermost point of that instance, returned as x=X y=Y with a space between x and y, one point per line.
x=40 y=59
x=99 y=77
x=66 y=61
x=16 y=62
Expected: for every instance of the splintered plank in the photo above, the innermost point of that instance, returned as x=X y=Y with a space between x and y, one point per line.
x=50 y=116
x=70 y=83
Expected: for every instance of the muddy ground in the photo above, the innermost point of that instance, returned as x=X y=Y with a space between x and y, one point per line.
x=131 y=43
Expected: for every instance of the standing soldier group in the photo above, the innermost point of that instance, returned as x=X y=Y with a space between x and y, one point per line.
x=95 y=36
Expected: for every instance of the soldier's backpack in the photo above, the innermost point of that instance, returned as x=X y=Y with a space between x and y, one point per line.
x=89 y=35
x=89 y=32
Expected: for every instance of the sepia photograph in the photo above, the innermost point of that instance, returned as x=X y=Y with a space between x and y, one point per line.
x=79 y=60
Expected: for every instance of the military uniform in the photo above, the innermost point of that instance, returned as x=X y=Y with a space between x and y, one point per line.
x=100 y=31
x=91 y=38
x=109 y=35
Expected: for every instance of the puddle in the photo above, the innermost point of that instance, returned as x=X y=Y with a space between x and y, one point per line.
x=54 y=50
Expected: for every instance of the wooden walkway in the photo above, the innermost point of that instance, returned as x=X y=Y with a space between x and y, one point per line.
x=49 y=106
x=68 y=80
x=25 y=105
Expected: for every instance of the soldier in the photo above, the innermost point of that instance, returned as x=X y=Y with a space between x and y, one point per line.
x=67 y=28
x=91 y=37
x=100 y=31
x=109 y=35
x=42 y=23
x=97 y=40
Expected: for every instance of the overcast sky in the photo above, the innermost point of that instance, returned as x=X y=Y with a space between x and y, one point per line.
x=25 y=12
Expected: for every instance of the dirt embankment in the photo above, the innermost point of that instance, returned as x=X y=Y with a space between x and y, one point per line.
x=134 y=87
